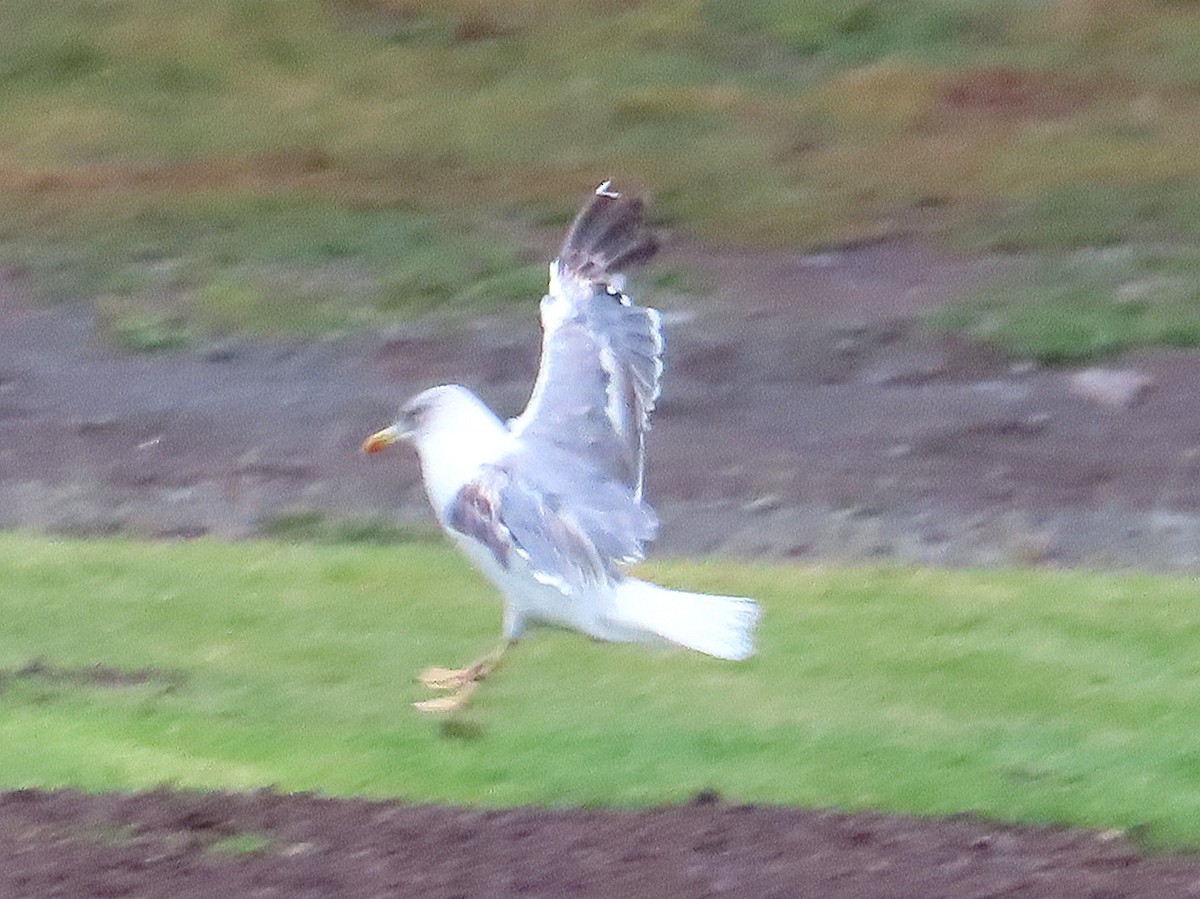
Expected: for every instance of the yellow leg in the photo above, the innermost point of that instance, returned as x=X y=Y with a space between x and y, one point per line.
x=460 y=683
x=450 y=702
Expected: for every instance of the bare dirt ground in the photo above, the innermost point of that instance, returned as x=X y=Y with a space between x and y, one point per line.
x=805 y=415
x=184 y=845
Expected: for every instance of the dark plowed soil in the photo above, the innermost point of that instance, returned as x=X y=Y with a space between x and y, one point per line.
x=260 y=845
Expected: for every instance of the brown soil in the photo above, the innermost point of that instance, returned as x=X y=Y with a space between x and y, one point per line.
x=97 y=675
x=65 y=844
x=805 y=415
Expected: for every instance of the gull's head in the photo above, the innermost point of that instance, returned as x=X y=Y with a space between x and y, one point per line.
x=420 y=415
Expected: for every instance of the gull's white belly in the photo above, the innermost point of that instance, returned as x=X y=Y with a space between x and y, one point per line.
x=533 y=601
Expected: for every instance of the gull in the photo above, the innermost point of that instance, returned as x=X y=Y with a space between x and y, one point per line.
x=549 y=506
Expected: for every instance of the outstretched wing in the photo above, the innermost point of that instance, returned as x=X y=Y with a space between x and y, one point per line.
x=601 y=358
x=567 y=501
x=572 y=529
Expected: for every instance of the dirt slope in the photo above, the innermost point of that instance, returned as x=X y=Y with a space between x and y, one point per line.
x=805 y=415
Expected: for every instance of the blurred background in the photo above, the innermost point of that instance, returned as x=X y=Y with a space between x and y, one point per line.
x=930 y=282
x=930 y=273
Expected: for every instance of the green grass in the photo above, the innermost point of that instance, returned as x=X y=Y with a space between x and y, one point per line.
x=1028 y=696
x=1079 y=216
x=1087 y=305
x=306 y=165
x=311 y=526
x=240 y=844
x=170 y=272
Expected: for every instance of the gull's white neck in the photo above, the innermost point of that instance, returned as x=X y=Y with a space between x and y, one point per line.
x=457 y=440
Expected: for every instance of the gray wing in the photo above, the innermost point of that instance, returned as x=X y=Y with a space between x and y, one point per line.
x=573 y=526
x=568 y=499
x=601 y=363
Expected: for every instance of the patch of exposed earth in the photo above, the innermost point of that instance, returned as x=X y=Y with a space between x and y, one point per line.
x=806 y=414
x=186 y=845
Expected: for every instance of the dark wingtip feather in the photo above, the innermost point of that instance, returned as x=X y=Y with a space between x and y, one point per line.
x=609 y=234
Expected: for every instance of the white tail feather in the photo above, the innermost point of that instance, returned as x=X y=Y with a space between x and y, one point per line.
x=721 y=626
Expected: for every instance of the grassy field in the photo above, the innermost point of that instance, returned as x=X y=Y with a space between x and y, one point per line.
x=301 y=165
x=1027 y=696
x=1086 y=305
